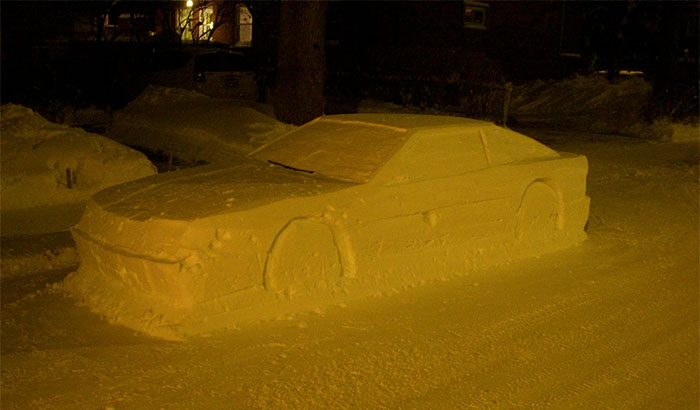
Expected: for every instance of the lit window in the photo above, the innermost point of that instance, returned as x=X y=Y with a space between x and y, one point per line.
x=475 y=15
x=206 y=20
x=244 y=26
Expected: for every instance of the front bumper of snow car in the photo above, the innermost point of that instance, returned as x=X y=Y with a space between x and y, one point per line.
x=128 y=286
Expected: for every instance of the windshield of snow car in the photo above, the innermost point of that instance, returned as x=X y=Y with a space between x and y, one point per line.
x=342 y=149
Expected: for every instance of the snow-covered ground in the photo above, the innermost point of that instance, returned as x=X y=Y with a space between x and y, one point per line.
x=612 y=323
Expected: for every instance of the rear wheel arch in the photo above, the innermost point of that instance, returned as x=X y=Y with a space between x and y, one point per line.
x=541 y=210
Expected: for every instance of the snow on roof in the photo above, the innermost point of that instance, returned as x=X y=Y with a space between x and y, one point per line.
x=407 y=121
x=192 y=126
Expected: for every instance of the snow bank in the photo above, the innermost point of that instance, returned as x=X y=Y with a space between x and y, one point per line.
x=90 y=118
x=592 y=104
x=663 y=129
x=192 y=126
x=586 y=103
x=52 y=165
x=685 y=132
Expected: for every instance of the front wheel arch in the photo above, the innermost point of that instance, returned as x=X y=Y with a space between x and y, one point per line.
x=308 y=255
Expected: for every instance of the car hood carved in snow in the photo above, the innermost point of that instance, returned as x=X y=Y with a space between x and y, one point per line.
x=210 y=190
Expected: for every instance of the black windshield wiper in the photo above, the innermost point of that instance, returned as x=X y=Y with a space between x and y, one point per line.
x=289 y=167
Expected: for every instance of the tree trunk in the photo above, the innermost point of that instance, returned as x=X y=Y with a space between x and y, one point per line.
x=617 y=15
x=301 y=68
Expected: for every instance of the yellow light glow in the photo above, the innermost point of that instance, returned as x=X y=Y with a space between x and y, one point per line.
x=189 y=3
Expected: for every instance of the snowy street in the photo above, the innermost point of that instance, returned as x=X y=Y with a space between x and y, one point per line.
x=612 y=323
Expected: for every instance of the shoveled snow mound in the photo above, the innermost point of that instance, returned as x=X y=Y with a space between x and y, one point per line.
x=685 y=132
x=52 y=165
x=192 y=126
x=592 y=104
x=663 y=129
x=588 y=103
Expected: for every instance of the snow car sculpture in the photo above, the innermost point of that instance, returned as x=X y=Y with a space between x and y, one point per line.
x=342 y=207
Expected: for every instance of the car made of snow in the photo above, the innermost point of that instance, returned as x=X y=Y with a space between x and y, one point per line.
x=339 y=208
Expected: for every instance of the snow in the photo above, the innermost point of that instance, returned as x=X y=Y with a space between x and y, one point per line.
x=90 y=118
x=587 y=103
x=154 y=258
x=52 y=169
x=353 y=147
x=22 y=255
x=612 y=323
x=192 y=126
x=593 y=104
x=681 y=132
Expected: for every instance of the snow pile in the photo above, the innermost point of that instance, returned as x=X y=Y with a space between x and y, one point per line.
x=663 y=129
x=582 y=103
x=157 y=95
x=47 y=164
x=192 y=126
x=592 y=104
x=685 y=132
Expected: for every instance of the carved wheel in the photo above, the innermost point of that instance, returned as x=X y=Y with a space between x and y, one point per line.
x=303 y=260
x=538 y=215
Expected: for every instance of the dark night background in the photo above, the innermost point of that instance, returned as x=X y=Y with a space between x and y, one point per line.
x=425 y=53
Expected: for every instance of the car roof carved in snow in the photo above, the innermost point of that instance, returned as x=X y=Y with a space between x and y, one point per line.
x=354 y=147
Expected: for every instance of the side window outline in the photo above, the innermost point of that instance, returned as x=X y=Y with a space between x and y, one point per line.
x=471 y=139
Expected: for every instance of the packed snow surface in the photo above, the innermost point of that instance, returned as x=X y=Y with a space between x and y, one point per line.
x=612 y=323
x=56 y=168
x=192 y=126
